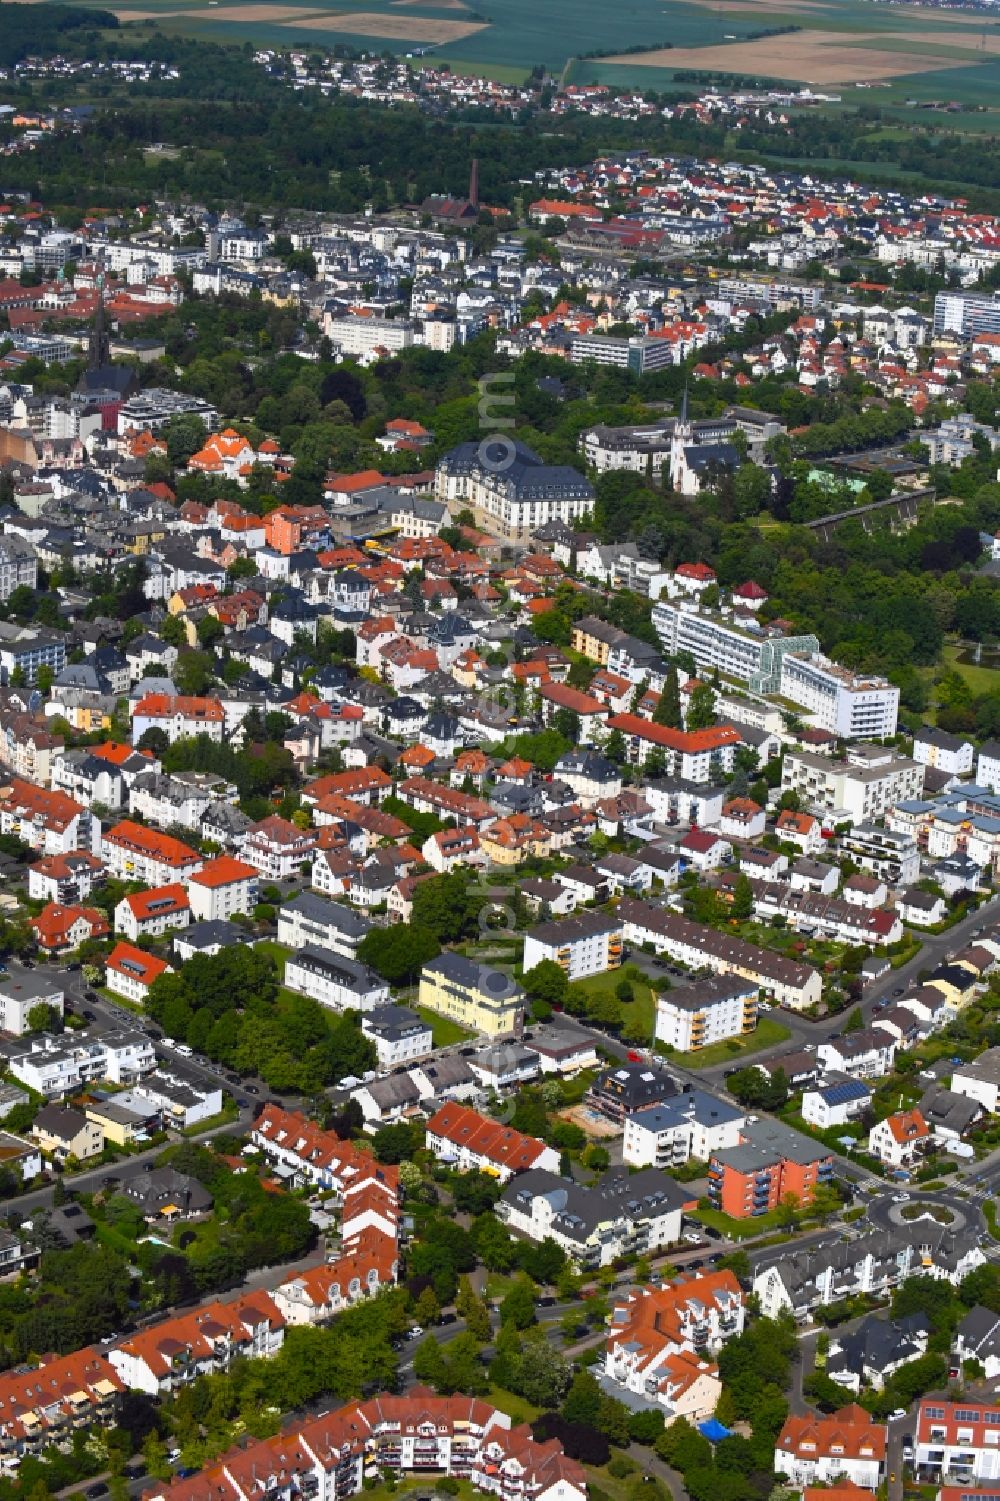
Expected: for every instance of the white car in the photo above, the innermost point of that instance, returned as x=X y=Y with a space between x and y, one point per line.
x=896 y=1414
x=415 y=1332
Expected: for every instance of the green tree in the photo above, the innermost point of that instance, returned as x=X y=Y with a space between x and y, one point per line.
x=668 y=705
x=701 y=708
x=518 y=1305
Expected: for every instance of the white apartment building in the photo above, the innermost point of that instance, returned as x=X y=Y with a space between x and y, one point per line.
x=314 y=919
x=853 y=707
x=222 y=888
x=135 y=853
x=753 y=654
x=400 y=1035
x=587 y=944
x=851 y=793
x=694 y=1016
x=947 y=753
x=694 y=1124
x=364 y=336
x=342 y=984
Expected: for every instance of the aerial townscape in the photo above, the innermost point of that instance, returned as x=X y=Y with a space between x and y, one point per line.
x=500 y=751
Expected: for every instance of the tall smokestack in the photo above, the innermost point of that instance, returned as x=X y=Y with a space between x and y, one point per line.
x=474 y=183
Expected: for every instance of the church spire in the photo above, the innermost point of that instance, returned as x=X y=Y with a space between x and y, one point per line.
x=99 y=351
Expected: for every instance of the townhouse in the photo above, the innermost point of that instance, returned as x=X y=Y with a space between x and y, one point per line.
x=303 y=1153
x=329 y=1457
x=134 y=853
x=848 y=1445
x=473 y=1143
x=171 y=1354
x=873 y=1264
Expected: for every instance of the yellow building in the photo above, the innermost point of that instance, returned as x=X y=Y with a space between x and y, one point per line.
x=120 y=1126
x=484 y=1000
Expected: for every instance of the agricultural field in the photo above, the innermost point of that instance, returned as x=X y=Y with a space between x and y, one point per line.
x=902 y=56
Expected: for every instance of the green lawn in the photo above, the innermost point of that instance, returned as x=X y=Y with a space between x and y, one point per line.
x=979 y=679
x=767 y=1033
x=637 y=1015
x=443 y=1029
x=741 y=1229
x=517 y=1408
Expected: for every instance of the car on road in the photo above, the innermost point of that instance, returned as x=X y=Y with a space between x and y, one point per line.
x=896 y=1414
x=900 y=1198
x=242 y=1104
x=907 y=1444
x=251 y=1089
x=100 y=1489
x=415 y=1332
x=545 y=1302
x=448 y=1318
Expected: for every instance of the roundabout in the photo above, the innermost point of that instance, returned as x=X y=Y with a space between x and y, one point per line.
x=945 y=1210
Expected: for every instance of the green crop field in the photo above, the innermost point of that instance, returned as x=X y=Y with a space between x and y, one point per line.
x=856 y=49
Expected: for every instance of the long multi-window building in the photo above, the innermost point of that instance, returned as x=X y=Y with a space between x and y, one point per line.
x=838 y=700
x=752 y=654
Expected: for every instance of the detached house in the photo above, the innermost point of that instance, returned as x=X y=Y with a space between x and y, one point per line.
x=130 y=972
x=899 y=1140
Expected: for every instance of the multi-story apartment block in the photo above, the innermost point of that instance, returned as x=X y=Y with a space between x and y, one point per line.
x=693 y=1124
x=587 y=944
x=221 y=888
x=850 y=791
x=135 y=853
x=337 y=982
x=623 y=1214
x=893 y=858
x=838 y=700
x=18 y=565
x=771 y=1162
x=702 y=947
x=709 y=1011
x=173 y=1353
x=845 y=1446
x=482 y=999
x=313 y=919
x=956 y=1442
x=752 y=652
x=47 y=821
x=693 y=1315
x=948 y=753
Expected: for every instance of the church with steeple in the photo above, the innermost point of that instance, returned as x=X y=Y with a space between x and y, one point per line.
x=693 y=465
x=101 y=375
